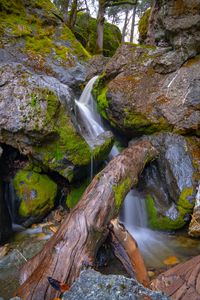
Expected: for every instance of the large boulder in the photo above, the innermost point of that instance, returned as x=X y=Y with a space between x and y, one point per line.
x=138 y=96
x=169 y=182
x=32 y=33
x=85 y=31
x=176 y=24
x=92 y=285
x=36 y=193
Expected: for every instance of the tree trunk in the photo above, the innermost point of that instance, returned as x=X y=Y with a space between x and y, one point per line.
x=125 y=25
x=65 y=7
x=73 y=14
x=181 y=282
x=82 y=232
x=100 y=25
x=133 y=24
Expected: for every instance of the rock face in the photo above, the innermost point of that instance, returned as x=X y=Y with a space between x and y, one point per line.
x=86 y=32
x=137 y=96
x=91 y=285
x=36 y=193
x=34 y=120
x=170 y=182
x=40 y=41
x=177 y=24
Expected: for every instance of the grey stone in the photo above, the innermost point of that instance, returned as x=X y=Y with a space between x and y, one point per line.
x=92 y=285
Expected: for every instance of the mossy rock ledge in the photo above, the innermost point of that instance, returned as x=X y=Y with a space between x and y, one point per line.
x=36 y=193
x=32 y=33
x=137 y=96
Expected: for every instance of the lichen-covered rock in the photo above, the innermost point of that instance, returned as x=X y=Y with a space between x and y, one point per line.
x=86 y=32
x=92 y=285
x=137 y=98
x=176 y=23
x=32 y=33
x=35 y=118
x=36 y=193
x=170 y=182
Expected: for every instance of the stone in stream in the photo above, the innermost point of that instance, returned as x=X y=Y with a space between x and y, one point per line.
x=92 y=285
x=169 y=182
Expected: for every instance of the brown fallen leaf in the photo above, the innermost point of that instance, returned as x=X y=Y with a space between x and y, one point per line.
x=171 y=260
x=4 y=250
x=54 y=229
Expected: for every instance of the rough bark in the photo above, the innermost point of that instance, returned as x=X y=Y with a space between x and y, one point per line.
x=84 y=229
x=181 y=282
x=100 y=26
x=132 y=250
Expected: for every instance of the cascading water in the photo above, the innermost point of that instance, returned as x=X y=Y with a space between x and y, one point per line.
x=133 y=213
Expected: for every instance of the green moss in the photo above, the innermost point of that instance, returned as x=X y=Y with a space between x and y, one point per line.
x=143 y=25
x=101 y=151
x=160 y=222
x=74 y=196
x=67 y=144
x=184 y=201
x=120 y=191
x=41 y=37
x=36 y=192
x=99 y=92
x=142 y=125
x=85 y=31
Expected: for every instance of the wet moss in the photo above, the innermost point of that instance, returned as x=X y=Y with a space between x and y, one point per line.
x=160 y=222
x=143 y=25
x=142 y=125
x=36 y=192
x=120 y=191
x=99 y=92
x=75 y=194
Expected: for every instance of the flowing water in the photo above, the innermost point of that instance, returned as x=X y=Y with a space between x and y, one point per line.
x=155 y=246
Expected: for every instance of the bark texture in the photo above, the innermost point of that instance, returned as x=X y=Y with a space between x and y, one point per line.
x=84 y=229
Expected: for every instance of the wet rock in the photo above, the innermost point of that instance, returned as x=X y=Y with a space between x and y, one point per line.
x=95 y=66
x=170 y=182
x=93 y=285
x=137 y=97
x=177 y=24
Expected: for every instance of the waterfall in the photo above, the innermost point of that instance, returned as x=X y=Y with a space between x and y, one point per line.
x=133 y=213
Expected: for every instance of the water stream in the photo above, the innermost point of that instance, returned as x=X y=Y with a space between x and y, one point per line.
x=155 y=246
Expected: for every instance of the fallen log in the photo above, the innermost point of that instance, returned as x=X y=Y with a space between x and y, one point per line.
x=82 y=232
x=130 y=245
x=181 y=282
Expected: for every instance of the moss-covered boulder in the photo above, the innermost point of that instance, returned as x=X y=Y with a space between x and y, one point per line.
x=170 y=182
x=32 y=33
x=86 y=32
x=143 y=26
x=36 y=192
x=137 y=96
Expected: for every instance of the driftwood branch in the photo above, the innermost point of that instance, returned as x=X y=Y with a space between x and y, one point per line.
x=84 y=229
x=130 y=245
